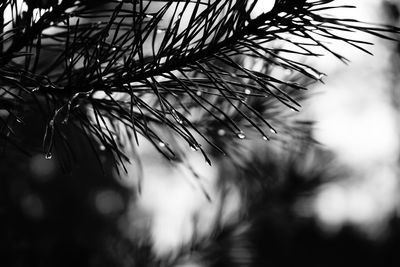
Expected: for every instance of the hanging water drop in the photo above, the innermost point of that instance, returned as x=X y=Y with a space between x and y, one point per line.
x=240 y=135
x=272 y=130
x=199 y=93
x=114 y=48
x=265 y=138
x=315 y=74
x=161 y=144
x=102 y=147
x=194 y=147
x=179 y=120
x=176 y=117
x=149 y=16
x=48 y=155
x=247 y=91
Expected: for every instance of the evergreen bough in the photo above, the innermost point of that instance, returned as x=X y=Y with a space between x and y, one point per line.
x=177 y=65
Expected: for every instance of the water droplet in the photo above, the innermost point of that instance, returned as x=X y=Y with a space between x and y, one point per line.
x=179 y=16
x=315 y=74
x=18 y=120
x=265 y=138
x=161 y=144
x=35 y=89
x=149 y=16
x=70 y=59
x=272 y=130
x=233 y=75
x=48 y=155
x=176 y=117
x=221 y=132
x=194 y=147
x=240 y=135
x=98 y=46
x=160 y=31
x=65 y=120
x=114 y=49
x=247 y=91
x=102 y=147
x=199 y=93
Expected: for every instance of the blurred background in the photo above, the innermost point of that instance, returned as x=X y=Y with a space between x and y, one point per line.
x=330 y=204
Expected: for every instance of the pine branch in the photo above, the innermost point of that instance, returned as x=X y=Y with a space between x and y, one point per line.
x=182 y=65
